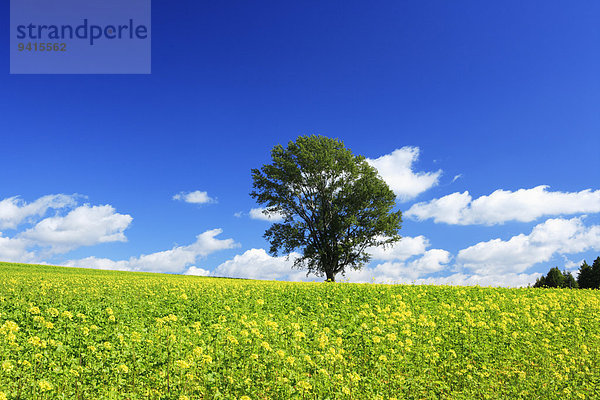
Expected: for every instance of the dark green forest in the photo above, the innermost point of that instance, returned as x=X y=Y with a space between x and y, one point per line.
x=588 y=277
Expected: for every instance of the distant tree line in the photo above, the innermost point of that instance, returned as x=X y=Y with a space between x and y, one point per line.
x=587 y=278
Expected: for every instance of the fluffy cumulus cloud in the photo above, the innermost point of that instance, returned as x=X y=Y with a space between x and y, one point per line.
x=15 y=250
x=257 y=264
x=83 y=226
x=396 y=169
x=99 y=263
x=430 y=262
x=493 y=263
x=14 y=211
x=554 y=236
x=571 y=266
x=522 y=205
x=175 y=260
x=70 y=226
x=258 y=213
x=196 y=197
x=407 y=260
x=197 y=271
x=428 y=269
x=403 y=249
x=462 y=279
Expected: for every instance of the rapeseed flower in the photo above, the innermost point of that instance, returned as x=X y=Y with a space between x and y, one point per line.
x=45 y=385
x=123 y=369
x=7 y=366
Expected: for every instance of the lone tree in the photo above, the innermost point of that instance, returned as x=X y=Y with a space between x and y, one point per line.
x=334 y=205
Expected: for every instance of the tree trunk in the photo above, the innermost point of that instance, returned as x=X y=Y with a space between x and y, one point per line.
x=330 y=276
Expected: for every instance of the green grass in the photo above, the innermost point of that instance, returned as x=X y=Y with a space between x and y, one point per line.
x=91 y=334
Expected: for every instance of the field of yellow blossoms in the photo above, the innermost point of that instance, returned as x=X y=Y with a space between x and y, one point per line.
x=68 y=333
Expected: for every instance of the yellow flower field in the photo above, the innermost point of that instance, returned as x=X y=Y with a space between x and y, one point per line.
x=68 y=333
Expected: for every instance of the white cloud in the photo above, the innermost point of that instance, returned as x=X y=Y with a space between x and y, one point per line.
x=572 y=266
x=447 y=209
x=175 y=260
x=196 y=197
x=257 y=264
x=81 y=226
x=396 y=169
x=99 y=263
x=403 y=249
x=420 y=267
x=84 y=226
x=14 y=211
x=432 y=261
x=492 y=263
x=460 y=279
x=14 y=250
x=257 y=213
x=197 y=271
x=554 y=236
x=523 y=205
x=396 y=268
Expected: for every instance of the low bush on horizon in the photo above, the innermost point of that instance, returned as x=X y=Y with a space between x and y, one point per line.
x=91 y=334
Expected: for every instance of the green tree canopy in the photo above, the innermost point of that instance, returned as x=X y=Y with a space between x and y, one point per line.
x=585 y=278
x=540 y=282
x=570 y=281
x=333 y=203
x=595 y=276
x=556 y=279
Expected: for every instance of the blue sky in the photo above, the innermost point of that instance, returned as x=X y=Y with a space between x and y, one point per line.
x=494 y=99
